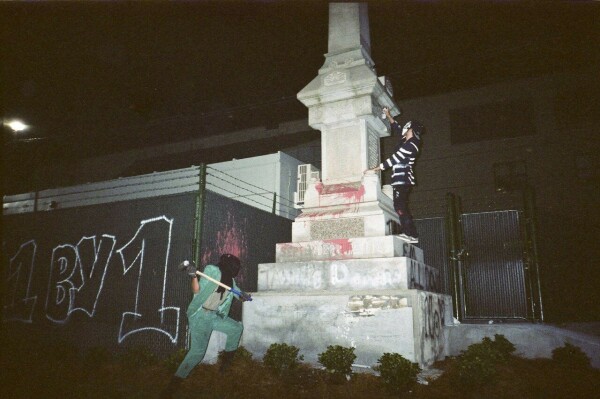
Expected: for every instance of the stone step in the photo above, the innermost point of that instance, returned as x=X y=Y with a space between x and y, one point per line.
x=348 y=274
x=348 y=248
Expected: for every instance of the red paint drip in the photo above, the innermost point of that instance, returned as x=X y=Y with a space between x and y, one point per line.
x=355 y=195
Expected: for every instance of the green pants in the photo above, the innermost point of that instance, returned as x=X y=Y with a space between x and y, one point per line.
x=202 y=324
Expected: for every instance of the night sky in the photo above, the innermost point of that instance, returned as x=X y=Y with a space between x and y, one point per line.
x=101 y=77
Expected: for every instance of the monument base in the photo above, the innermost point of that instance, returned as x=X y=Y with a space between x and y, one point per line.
x=408 y=322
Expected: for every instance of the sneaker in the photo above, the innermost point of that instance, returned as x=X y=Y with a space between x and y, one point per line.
x=409 y=239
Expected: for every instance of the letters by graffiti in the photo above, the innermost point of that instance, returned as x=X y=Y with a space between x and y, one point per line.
x=77 y=274
x=337 y=275
x=74 y=271
x=423 y=277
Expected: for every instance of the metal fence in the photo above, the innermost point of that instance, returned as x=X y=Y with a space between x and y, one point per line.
x=488 y=282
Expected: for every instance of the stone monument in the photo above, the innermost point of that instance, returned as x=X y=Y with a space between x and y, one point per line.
x=345 y=279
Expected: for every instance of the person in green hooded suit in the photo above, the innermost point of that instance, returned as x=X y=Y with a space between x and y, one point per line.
x=207 y=312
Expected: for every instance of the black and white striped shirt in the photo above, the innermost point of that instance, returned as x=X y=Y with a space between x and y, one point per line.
x=402 y=161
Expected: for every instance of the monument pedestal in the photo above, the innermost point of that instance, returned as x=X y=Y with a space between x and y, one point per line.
x=374 y=322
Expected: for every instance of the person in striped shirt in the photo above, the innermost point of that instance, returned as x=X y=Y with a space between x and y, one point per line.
x=401 y=162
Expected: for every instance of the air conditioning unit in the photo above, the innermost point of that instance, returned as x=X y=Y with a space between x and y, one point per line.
x=305 y=174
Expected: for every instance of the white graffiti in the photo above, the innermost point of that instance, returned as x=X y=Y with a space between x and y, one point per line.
x=309 y=276
x=92 y=271
x=62 y=269
x=133 y=254
x=75 y=271
x=338 y=274
x=18 y=304
x=334 y=275
x=77 y=275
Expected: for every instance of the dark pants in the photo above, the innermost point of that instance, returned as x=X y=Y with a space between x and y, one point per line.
x=401 y=207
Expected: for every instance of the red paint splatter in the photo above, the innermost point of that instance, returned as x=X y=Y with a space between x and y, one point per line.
x=351 y=192
x=319 y=187
x=343 y=245
x=335 y=213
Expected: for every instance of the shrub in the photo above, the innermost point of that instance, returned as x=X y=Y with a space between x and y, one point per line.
x=243 y=353
x=398 y=373
x=338 y=360
x=503 y=347
x=282 y=358
x=571 y=356
x=240 y=353
x=477 y=365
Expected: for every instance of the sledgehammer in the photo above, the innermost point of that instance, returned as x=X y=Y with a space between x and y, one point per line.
x=243 y=295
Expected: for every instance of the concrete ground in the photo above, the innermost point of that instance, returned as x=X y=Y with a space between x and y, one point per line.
x=530 y=340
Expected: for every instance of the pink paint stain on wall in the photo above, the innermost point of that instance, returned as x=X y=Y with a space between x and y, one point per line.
x=231 y=239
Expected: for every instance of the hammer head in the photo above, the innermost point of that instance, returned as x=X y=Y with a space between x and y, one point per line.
x=187 y=266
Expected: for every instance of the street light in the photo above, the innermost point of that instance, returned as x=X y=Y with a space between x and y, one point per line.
x=16 y=125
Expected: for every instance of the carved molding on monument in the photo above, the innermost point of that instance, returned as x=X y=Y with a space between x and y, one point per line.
x=335 y=78
x=345 y=64
x=347 y=59
x=342 y=111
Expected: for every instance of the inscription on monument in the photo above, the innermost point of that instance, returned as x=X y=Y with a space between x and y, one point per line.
x=373 y=144
x=330 y=229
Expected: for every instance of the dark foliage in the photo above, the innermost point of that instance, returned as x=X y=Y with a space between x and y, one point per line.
x=33 y=368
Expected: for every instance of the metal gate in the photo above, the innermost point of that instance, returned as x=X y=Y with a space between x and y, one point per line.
x=484 y=264
x=493 y=271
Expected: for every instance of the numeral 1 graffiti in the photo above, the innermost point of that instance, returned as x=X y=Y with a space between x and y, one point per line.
x=19 y=305
x=142 y=246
